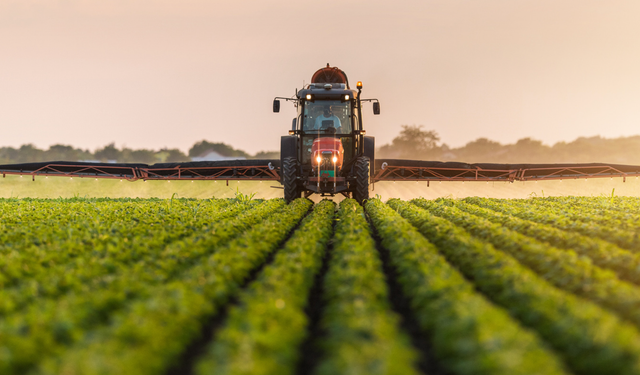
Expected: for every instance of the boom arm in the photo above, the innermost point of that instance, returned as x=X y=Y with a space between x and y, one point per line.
x=268 y=169
x=418 y=170
x=211 y=170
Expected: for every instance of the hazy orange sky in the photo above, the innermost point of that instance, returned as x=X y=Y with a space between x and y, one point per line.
x=150 y=74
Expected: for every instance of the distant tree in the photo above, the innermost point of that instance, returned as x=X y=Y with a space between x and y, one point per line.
x=527 y=149
x=144 y=156
x=412 y=143
x=267 y=155
x=221 y=148
x=8 y=155
x=386 y=151
x=480 y=150
x=29 y=153
x=413 y=139
x=174 y=155
x=483 y=146
x=107 y=153
x=66 y=153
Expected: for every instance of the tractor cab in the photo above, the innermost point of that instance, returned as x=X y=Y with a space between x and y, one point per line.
x=326 y=122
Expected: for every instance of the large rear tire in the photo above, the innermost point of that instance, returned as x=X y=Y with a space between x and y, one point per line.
x=361 y=192
x=290 y=179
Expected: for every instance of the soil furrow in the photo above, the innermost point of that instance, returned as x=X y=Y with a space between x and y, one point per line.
x=427 y=362
x=185 y=366
x=309 y=350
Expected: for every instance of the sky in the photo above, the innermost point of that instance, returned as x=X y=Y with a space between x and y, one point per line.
x=169 y=73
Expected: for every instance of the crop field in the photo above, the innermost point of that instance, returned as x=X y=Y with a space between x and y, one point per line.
x=256 y=286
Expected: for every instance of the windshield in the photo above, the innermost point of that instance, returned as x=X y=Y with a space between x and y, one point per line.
x=327 y=116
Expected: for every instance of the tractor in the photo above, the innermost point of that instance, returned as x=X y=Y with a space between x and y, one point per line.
x=327 y=151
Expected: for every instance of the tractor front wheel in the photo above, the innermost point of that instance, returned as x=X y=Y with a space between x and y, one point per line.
x=361 y=192
x=290 y=179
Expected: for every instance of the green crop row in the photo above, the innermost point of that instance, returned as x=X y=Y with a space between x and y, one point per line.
x=262 y=334
x=151 y=334
x=626 y=204
x=43 y=222
x=622 y=206
x=590 y=339
x=49 y=326
x=604 y=254
x=469 y=334
x=25 y=277
x=362 y=333
x=103 y=277
x=101 y=230
x=625 y=239
x=583 y=213
x=564 y=269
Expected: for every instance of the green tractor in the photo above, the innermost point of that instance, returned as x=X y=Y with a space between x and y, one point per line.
x=326 y=151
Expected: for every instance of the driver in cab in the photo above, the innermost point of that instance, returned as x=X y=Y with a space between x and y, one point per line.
x=327 y=120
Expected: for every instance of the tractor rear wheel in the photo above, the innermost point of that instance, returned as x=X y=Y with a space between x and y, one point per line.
x=361 y=193
x=290 y=179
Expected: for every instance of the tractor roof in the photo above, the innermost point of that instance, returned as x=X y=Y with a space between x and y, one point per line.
x=333 y=91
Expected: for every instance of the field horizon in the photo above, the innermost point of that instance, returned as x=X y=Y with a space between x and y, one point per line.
x=59 y=187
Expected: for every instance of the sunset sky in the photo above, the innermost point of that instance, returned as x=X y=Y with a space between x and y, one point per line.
x=168 y=73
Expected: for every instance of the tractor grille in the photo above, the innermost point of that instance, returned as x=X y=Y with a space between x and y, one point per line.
x=326 y=162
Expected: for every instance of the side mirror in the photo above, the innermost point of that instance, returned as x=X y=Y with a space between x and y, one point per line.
x=276 y=105
x=293 y=125
x=376 y=108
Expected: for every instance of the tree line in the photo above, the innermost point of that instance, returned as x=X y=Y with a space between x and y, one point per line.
x=111 y=154
x=414 y=142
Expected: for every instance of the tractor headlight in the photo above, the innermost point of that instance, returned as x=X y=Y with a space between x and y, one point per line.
x=335 y=159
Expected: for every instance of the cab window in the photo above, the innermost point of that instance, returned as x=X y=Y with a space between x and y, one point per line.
x=327 y=116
